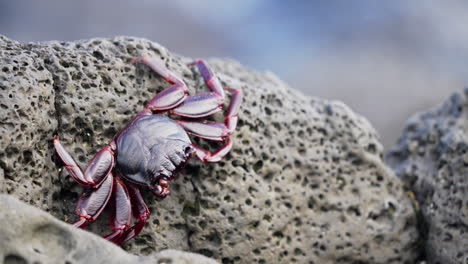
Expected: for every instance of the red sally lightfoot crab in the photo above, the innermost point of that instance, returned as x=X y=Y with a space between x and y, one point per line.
x=151 y=150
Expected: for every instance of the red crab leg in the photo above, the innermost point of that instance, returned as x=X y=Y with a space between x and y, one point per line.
x=206 y=130
x=217 y=131
x=203 y=104
x=199 y=105
x=210 y=79
x=230 y=118
x=169 y=97
x=100 y=166
x=73 y=169
x=96 y=171
x=121 y=212
x=206 y=156
x=92 y=201
x=140 y=212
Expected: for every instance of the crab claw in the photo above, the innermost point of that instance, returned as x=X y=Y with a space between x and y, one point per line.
x=161 y=189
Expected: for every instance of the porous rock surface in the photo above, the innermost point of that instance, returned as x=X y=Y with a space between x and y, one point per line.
x=431 y=157
x=304 y=183
x=29 y=235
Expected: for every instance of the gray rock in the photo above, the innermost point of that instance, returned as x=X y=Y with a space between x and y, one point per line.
x=30 y=235
x=431 y=157
x=26 y=123
x=305 y=181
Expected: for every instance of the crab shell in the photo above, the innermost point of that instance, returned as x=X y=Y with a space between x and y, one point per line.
x=152 y=149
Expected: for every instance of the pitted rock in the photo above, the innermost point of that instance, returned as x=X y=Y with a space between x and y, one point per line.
x=305 y=181
x=431 y=157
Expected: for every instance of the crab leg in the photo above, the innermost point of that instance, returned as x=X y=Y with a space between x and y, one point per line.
x=195 y=107
x=92 y=201
x=203 y=104
x=206 y=156
x=97 y=170
x=230 y=118
x=199 y=105
x=169 y=97
x=140 y=212
x=217 y=131
x=207 y=130
x=210 y=79
x=100 y=166
x=73 y=169
x=121 y=212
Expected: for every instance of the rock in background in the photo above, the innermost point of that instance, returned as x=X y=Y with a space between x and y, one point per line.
x=305 y=181
x=431 y=157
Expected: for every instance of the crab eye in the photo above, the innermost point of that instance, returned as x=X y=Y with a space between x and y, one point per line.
x=161 y=186
x=163 y=182
x=156 y=189
x=188 y=151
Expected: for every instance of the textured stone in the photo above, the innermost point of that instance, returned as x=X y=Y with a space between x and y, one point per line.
x=29 y=235
x=26 y=123
x=431 y=157
x=305 y=181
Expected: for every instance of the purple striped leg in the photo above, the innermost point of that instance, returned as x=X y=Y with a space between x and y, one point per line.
x=97 y=180
x=170 y=97
x=197 y=107
x=121 y=212
x=140 y=213
x=203 y=104
x=97 y=170
x=92 y=201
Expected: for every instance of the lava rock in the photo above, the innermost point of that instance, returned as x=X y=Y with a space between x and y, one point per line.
x=30 y=235
x=26 y=122
x=431 y=157
x=305 y=181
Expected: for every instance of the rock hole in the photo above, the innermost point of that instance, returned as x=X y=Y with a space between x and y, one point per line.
x=85 y=85
x=98 y=55
x=215 y=238
x=14 y=259
x=354 y=210
x=27 y=156
x=258 y=166
x=191 y=209
x=278 y=234
x=65 y=64
x=165 y=261
x=298 y=252
x=311 y=203
x=227 y=261
x=267 y=218
x=206 y=252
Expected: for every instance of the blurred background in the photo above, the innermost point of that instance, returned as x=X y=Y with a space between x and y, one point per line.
x=385 y=59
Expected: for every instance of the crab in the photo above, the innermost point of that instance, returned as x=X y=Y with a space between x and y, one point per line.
x=151 y=150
